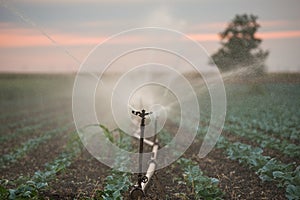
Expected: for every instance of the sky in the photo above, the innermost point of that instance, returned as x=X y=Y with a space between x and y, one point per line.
x=57 y=35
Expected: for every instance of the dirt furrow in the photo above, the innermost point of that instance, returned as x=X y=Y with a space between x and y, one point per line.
x=236 y=180
x=36 y=158
x=81 y=179
x=15 y=143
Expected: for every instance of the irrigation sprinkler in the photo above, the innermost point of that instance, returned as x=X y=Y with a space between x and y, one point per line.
x=138 y=191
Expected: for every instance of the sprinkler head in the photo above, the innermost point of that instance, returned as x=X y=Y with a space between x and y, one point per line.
x=141 y=114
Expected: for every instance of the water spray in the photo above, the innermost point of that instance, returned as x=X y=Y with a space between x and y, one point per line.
x=168 y=90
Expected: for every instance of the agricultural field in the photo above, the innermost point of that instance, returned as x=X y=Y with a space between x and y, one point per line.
x=256 y=157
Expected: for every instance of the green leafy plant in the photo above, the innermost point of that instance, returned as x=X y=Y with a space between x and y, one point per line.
x=29 y=145
x=107 y=133
x=293 y=192
x=202 y=187
x=268 y=169
x=4 y=193
x=30 y=189
x=29 y=129
x=265 y=141
x=117 y=182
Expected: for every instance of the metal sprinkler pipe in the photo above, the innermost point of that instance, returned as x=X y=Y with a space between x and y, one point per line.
x=152 y=165
x=138 y=191
x=137 y=136
x=143 y=115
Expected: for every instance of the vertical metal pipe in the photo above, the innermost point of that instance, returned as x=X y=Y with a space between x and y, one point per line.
x=152 y=164
x=137 y=192
x=141 y=150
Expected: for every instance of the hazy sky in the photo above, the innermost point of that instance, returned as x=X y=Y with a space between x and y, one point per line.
x=56 y=35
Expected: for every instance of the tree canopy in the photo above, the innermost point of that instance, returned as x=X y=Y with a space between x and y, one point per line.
x=240 y=46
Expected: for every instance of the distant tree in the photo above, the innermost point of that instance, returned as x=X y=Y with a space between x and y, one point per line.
x=240 y=47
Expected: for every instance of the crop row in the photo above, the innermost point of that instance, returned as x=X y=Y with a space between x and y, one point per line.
x=31 y=144
x=199 y=185
x=22 y=93
x=14 y=118
x=117 y=182
x=34 y=118
x=267 y=168
x=246 y=128
x=20 y=107
x=42 y=122
x=270 y=112
x=265 y=141
x=30 y=187
x=287 y=129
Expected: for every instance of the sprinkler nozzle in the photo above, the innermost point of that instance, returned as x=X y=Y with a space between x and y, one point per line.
x=141 y=114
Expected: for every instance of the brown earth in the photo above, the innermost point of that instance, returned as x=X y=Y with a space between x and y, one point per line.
x=85 y=176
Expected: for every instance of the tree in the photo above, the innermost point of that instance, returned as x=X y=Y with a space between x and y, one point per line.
x=240 y=47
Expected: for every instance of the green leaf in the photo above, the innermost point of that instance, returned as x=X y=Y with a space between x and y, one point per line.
x=4 y=193
x=12 y=194
x=107 y=133
x=41 y=185
x=278 y=174
x=214 y=180
x=293 y=192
